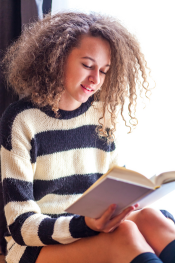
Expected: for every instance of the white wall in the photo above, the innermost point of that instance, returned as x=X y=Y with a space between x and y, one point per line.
x=150 y=148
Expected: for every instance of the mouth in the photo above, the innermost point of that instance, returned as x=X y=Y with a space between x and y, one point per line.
x=87 y=88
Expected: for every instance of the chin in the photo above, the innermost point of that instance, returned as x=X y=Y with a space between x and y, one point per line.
x=83 y=100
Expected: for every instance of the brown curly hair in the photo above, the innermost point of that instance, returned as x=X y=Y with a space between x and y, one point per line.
x=34 y=64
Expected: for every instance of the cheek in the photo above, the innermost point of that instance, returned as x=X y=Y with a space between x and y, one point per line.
x=76 y=74
x=102 y=80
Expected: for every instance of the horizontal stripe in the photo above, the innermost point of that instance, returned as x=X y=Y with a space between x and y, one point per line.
x=15 y=209
x=23 y=119
x=29 y=230
x=72 y=185
x=20 y=191
x=30 y=255
x=57 y=165
x=49 y=142
x=79 y=161
x=45 y=231
x=17 y=190
x=15 y=166
x=30 y=119
x=61 y=231
x=17 y=110
x=7 y=121
x=15 y=228
x=79 y=229
x=56 y=204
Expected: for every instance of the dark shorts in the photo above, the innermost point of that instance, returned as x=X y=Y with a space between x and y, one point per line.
x=168 y=215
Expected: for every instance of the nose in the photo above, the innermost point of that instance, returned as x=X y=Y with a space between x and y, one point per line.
x=95 y=77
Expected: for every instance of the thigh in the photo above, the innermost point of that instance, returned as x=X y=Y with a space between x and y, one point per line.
x=92 y=249
x=122 y=245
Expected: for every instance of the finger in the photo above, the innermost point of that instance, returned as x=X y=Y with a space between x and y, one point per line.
x=124 y=213
x=108 y=213
x=117 y=220
x=100 y=223
x=104 y=219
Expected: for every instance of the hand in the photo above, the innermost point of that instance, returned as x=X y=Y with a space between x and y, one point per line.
x=107 y=223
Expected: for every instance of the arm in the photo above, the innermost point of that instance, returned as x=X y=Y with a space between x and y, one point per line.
x=27 y=225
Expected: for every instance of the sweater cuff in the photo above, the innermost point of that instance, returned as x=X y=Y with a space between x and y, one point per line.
x=79 y=229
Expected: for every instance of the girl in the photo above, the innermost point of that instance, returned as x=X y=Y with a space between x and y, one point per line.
x=76 y=73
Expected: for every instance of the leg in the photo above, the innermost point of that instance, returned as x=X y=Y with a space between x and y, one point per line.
x=122 y=245
x=154 y=227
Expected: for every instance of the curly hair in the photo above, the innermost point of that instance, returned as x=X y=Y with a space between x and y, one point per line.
x=34 y=64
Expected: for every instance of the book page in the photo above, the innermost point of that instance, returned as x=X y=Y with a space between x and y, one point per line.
x=127 y=175
x=164 y=178
x=157 y=194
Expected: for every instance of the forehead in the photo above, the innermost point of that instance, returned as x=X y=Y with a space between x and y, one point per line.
x=95 y=47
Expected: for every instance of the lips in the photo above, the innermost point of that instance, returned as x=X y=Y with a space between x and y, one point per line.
x=87 y=88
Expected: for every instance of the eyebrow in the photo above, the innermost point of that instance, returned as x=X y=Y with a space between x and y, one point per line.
x=95 y=61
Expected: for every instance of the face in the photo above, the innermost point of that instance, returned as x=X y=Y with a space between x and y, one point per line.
x=85 y=71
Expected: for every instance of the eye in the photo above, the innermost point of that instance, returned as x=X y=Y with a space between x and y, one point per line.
x=103 y=72
x=86 y=66
x=91 y=68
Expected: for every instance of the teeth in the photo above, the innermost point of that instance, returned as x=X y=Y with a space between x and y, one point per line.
x=87 y=88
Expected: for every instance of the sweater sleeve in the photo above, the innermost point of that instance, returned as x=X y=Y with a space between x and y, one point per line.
x=26 y=223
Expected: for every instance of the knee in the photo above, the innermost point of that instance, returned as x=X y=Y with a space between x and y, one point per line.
x=126 y=232
x=149 y=219
x=128 y=239
x=149 y=215
x=127 y=227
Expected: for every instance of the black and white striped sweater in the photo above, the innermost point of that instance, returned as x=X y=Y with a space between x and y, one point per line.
x=47 y=163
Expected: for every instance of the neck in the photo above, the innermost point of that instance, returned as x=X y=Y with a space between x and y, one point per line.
x=66 y=105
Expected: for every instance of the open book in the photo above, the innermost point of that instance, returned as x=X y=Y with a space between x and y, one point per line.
x=122 y=187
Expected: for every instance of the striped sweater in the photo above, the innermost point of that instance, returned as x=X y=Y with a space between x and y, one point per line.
x=47 y=163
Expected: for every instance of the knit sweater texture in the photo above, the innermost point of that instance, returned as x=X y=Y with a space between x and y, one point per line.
x=47 y=164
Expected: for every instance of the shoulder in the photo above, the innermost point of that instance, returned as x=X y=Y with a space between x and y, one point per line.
x=9 y=116
x=14 y=110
